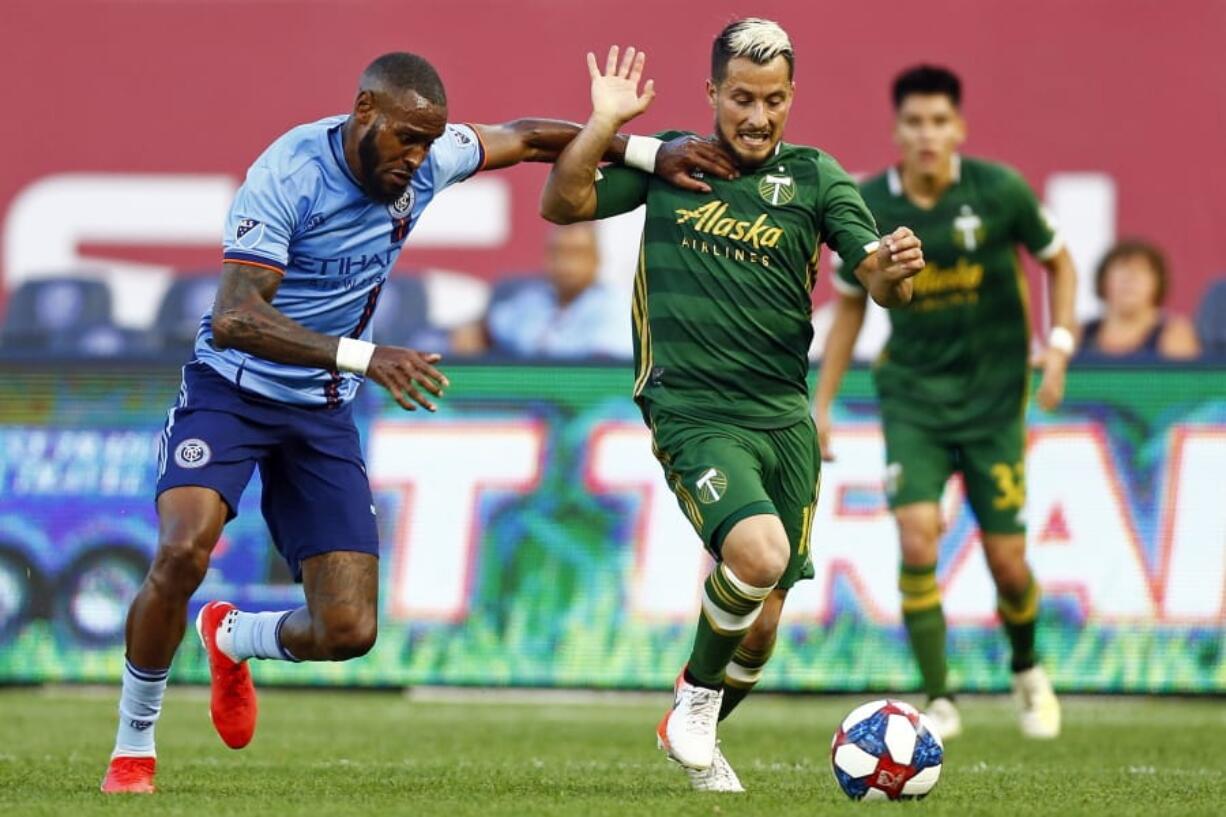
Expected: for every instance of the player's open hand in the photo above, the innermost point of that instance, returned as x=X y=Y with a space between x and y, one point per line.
x=615 y=93
x=679 y=158
x=900 y=255
x=406 y=374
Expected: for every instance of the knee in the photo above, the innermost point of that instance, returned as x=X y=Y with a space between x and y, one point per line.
x=761 y=561
x=918 y=536
x=180 y=563
x=346 y=634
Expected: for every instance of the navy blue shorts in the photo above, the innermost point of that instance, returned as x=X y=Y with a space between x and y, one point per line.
x=316 y=495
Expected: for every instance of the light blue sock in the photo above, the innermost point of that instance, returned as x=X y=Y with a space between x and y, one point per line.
x=254 y=635
x=140 y=704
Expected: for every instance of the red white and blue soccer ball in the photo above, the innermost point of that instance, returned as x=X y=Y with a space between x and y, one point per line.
x=886 y=750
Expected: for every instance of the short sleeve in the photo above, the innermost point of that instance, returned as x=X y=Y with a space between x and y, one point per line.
x=261 y=221
x=1033 y=226
x=848 y=226
x=455 y=156
x=619 y=190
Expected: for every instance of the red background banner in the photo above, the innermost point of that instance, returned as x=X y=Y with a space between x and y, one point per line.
x=1133 y=89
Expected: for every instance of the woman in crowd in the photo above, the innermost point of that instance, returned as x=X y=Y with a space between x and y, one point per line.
x=1132 y=282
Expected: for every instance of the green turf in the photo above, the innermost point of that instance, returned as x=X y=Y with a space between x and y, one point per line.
x=373 y=754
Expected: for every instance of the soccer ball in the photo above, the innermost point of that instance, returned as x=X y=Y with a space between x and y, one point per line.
x=886 y=749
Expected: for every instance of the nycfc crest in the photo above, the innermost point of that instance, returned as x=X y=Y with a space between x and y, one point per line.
x=193 y=453
x=402 y=206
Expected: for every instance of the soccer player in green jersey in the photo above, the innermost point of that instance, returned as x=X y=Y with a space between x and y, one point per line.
x=953 y=379
x=721 y=314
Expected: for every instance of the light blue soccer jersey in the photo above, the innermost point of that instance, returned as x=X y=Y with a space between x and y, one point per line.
x=301 y=212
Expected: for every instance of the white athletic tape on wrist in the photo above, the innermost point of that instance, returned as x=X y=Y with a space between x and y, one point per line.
x=641 y=153
x=1062 y=340
x=353 y=355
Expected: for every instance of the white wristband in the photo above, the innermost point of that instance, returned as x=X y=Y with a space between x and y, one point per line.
x=353 y=355
x=641 y=153
x=1062 y=340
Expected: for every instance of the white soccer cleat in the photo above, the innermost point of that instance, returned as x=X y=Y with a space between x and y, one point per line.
x=1038 y=707
x=944 y=716
x=719 y=777
x=687 y=731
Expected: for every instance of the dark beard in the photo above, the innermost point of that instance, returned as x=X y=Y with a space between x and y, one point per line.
x=368 y=159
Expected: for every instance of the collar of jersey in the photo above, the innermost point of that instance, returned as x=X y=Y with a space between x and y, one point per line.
x=894 y=180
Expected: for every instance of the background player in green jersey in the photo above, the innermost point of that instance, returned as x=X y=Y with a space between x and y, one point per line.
x=954 y=375
x=721 y=314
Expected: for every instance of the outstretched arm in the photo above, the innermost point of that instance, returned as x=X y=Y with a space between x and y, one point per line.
x=570 y=192
x=543 y=140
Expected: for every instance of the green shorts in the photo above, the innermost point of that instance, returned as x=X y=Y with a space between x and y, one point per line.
x=993 y=467
x=722 y=473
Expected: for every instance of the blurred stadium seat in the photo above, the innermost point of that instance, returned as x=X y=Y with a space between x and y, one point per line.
x=66 y=315
x=1211 y=320
x=178 y=316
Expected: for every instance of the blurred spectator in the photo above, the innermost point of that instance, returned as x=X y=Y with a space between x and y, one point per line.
x=1211 y=320
x=565 y=314
x=1132 y=282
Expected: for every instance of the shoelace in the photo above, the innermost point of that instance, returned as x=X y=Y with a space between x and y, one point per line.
x=723 y=770
x=704 y=710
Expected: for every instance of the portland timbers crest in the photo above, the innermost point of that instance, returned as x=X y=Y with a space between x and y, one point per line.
x=711 y=486
x=777 y=188
x=969 y=231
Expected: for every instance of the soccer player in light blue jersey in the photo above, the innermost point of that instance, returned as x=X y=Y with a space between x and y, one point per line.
x=309 y=242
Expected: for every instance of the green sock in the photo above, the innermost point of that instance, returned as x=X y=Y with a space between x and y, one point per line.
x=1018 y=615
x=925 y=621
x=729 y=607
x=742 y=674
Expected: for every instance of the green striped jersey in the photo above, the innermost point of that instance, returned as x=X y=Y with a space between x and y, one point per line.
x=721 y=306
x=957 y=358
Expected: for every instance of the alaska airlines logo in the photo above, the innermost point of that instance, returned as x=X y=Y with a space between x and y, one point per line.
x=711 y=219
x=935 y=280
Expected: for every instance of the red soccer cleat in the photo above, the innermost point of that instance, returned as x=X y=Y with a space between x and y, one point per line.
x=233 y=706
x=130 y=775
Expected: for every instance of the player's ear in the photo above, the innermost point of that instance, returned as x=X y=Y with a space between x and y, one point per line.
x=960 y=123
x=712 y=91
x=364 y=107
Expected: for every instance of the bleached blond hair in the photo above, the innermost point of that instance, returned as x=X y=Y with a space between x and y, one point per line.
x=752 y=38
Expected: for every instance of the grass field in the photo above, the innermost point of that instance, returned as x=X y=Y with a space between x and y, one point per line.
x=379 y=753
